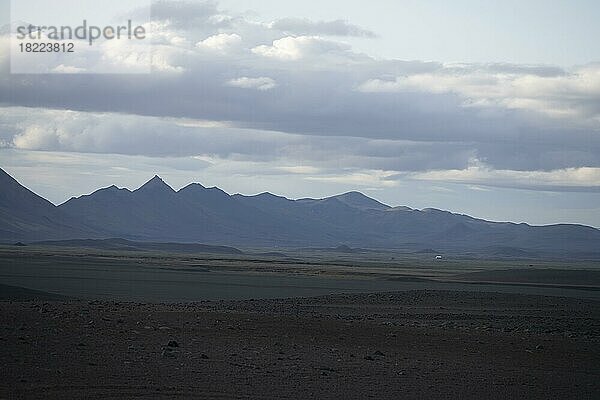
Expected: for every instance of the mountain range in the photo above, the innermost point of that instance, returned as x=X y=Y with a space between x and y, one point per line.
x=197 y=214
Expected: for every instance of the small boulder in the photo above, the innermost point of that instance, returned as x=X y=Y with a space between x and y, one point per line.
x=168 y=353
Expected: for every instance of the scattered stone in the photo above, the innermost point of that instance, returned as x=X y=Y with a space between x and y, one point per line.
x=168 y=353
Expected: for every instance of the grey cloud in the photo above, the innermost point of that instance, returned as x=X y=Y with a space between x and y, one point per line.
x=517 y=183
x=189 y=15
x=303 y=26
x=539 y=70
x=55 y=130
x=320 y=103
x=318 y=95
x=507 y=68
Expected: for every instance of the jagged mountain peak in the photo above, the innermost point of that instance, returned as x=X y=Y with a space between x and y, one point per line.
x=155 y=184
x=192 y=186
x=268 y=195
x=360 y=200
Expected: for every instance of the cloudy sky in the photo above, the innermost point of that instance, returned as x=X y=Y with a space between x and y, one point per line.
x=485 y=108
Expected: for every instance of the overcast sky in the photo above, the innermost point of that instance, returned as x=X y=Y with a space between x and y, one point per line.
x=485 y=108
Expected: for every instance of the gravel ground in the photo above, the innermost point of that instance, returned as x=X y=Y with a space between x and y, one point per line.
x=411 y=345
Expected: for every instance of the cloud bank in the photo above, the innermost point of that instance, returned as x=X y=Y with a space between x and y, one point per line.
x=292 y=91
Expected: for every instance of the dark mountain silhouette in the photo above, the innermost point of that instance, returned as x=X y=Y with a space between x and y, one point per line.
x=196 y=214
x=26 y=216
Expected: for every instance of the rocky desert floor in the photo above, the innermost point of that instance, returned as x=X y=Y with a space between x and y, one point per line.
x=403 y=345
